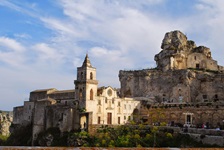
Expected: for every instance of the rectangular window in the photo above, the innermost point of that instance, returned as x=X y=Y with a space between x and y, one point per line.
x=99 y=102
x=105 y=100
x=124 y=106
x=112 y=101
x=216 y=96
x=204 y=96
x=62 y=114
x=119 y=103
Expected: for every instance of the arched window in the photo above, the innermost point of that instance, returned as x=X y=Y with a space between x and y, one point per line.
x=91 y=94
x=80 y=94
x=91 y=75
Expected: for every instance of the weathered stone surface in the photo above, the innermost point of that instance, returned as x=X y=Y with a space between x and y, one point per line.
x=179 y=53
x=169 y=86
x=174 y=40
x=184 y=73
x=5 y=123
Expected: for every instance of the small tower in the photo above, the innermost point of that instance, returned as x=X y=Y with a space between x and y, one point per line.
x=86 y=84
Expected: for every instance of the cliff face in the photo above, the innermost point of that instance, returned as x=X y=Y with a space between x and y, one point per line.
x=184 y=73
x=173 y=86
x=5 y=122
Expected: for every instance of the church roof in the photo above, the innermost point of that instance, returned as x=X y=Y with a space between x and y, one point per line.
x=44 y=90
x=86 y=62
x=63 y=91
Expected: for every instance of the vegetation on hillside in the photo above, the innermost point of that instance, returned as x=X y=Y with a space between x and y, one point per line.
x=21 y=136
x=121 y=136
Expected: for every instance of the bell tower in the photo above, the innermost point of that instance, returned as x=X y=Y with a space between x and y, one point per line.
x=86 y=84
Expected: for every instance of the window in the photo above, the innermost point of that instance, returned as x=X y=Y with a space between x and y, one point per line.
x=124 y=117
x=124 y=106
x=80 y=94
x=62 y=116
x=119 y=120
x=112 y=101
x=109 y=92
x=29 y=107
x=105 y=100
x=119 y=103
x=91 y=94
x=216 y=96
x=188 y=119
x=99 y=102
x=81 y=75
x=195 y=58
x=204 y=96
x=91 y=75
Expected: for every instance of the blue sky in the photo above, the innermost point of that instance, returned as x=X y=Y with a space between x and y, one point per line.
x=43 y=41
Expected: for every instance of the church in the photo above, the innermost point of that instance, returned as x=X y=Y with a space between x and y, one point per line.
x=76 y=109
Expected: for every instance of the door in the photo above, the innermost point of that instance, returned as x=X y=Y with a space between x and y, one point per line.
x=109 y=118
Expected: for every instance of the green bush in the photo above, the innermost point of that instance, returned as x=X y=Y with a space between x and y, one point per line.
x=21 y=136
x=3 y=140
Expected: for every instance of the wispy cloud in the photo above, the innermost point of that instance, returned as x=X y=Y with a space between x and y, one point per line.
x=10 y=44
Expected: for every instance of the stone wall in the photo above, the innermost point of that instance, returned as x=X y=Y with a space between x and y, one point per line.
x=176 y=114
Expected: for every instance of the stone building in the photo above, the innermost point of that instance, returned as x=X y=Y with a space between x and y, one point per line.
x=186 y=87
x=75 y=109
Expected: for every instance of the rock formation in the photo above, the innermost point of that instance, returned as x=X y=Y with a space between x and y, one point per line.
x=5 y=123
x=184 y=73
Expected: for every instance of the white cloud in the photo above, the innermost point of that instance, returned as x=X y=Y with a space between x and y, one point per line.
x=47 y=53
x=22 y=35
x=10 y=44
x=12 y=52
